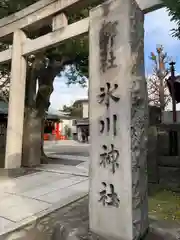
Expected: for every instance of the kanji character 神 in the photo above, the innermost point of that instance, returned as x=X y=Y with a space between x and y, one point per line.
x=109 y=157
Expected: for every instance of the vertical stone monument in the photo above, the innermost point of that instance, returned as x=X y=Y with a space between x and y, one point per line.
x=118 y=121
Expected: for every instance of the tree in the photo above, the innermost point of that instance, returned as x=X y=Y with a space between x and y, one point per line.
x=174 y=11
x=73 y=111
x=158 y=93
x=43 y=68
x=4 y=87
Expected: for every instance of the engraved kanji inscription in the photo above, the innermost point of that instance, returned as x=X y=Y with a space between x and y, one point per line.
x=103 y=194
x=105 y=125
x=108 y=93
x=102 y=126
x=114 y=200
x=115 y=124
x=109 y=158
x=109 y=198
x=108 y=124
x=107 y=36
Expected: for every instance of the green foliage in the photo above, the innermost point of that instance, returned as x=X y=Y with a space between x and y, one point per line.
x=8 y=7
x=73 y=111
x=75 y=50
x=66 y=109
x=174 y=11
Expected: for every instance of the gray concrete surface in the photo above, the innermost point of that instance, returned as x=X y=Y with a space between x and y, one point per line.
x=74 y=219
x=31 y=205
x=49 y=187
x=68 y=156
x=27 y=196
x=67 y=147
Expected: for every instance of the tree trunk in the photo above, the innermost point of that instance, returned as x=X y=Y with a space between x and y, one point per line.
x=33 y=145
x=32 y=139
x=44 y=158
x=36 y=106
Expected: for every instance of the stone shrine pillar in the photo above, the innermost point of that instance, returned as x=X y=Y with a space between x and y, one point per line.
x=118 y=205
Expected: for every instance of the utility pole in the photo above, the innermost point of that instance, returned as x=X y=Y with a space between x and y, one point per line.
x=173 y=134
x=172 y=70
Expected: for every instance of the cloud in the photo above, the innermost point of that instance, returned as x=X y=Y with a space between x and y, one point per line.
x=63 y=94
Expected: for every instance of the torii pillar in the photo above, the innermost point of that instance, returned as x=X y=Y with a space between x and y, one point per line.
x=14 y=138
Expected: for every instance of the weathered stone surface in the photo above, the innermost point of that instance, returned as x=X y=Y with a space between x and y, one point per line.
x=59 y=232
x=16 y=103
x=36 y=15
x=73 y=220
x=152 y=158
x=139 y=125
x=119 y=121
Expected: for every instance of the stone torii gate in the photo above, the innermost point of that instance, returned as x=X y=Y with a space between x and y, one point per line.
x=118 y=102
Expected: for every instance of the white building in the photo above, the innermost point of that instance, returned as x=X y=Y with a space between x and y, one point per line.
x=82 y=124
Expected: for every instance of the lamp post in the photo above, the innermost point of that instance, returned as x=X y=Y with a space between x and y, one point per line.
x=172 y=70
x=173 y=134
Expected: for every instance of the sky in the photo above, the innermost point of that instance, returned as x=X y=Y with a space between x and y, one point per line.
x=157 y=31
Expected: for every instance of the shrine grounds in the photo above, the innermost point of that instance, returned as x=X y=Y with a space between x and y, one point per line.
x=164 y=204
x=52 y=201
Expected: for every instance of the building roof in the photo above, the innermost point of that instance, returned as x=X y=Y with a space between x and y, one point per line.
x=51 y=114
x=81 y=101
x=55 y=114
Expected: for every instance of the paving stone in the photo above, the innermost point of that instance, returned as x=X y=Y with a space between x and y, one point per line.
x=4 y=195
x=83 y=186
x=62 y=194
x=64 y=169
x=3 y=223
x=24 y=198
x=17 y=208
x=51 y=187
x=19 y=186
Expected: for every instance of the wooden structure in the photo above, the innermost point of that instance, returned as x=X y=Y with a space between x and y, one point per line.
x=52 y=122
x=51 y=128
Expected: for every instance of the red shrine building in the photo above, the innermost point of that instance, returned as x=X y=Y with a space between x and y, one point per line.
x=53 y=129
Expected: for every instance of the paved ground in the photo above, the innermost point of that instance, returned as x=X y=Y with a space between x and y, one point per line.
x=61 y=181
x=27 y=196
x=69 y=147
x=67 y=157
x=41 y=195
x=74 y=222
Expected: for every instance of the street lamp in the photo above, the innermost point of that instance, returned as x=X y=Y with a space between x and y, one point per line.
x=173 y=83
